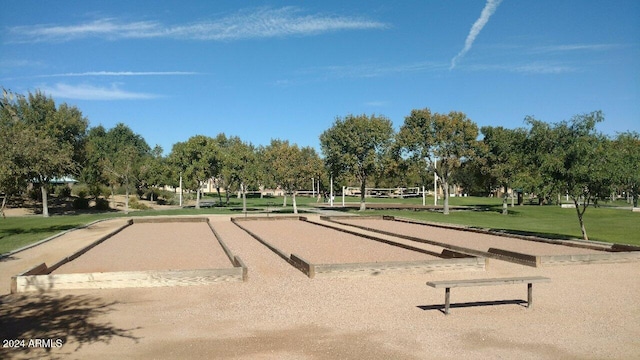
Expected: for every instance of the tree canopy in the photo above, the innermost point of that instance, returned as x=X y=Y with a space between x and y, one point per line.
x=443 y=141
x=356 y=145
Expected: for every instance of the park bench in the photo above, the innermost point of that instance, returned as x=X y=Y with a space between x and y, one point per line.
x=448 y=284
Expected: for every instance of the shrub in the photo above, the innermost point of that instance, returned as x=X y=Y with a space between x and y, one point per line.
x=81 y=203
x=102 y=204
x=62 y=191
x=135 y=204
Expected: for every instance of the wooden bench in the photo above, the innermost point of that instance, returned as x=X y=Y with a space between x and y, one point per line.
x=448 y=284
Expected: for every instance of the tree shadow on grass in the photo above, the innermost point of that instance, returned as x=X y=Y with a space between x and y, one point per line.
x=61 y=320
x=35 y=230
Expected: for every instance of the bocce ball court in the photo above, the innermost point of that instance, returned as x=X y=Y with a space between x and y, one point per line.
x=145 y=252
x=529 y=251
x=319 y=250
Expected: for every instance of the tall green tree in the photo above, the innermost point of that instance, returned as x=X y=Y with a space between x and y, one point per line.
x=503 y=156
x=443 y=141
x=115 y=157
x=627 y=159
x=356 y=145
x=198 y=160
x=292 y=167
x=580 y=162
x=55 y=138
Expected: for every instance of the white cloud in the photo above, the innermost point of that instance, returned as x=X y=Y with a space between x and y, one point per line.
x=90 y=92
x=122 y=73
x=260 y=23
x=486 y=13
x=530 y=68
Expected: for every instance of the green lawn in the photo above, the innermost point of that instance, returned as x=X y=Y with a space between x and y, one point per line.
x=603 y=224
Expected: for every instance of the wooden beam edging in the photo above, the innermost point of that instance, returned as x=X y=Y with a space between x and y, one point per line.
x=265 y=218
x=610 y=257
x=168 y=219
x=374 y=238
x=224 y=246
x=125 y=279
x=417 y=267
x=88 y=247
x=279 y=252
x=458 y=249
x=237 y=262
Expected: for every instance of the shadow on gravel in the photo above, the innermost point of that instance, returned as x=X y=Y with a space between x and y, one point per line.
x=440 y=308
x=44 y=325
x=303 y=341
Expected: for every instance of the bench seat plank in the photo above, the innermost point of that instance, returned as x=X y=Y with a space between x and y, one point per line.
x=487 y=282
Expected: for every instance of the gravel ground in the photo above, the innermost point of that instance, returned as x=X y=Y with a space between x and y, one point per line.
x=153 y=246
x=321 y=245
x=586 y=312
x=469 y=239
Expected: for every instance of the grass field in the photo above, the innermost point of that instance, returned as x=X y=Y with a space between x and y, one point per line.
x=607 y=224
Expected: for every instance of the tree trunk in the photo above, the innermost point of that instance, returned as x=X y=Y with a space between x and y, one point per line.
x=580 y=218
x=198 y=198
x=219 y=196
x=363 y=189
x=445 y=187
x=244 y=198
x=126 y=200
x=284 y=202
x=4 y=203
x=113 y=198
x=505 y=211
x=45 y=200
x=295 y=205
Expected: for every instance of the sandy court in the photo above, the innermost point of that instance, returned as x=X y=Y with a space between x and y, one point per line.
x=153 y=246
x=586 y=312
x=321 y=245
x=468 y=239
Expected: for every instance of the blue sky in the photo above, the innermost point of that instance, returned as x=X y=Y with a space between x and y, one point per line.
x=287 y=69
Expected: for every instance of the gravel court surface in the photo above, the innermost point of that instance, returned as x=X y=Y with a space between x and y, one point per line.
x=321 y=245
x=153 y=246
x=586 y=312
x=53 y=251
x=468 y=239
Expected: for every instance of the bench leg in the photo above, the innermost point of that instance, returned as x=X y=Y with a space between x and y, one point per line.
x=529 y=295
x=447 y=293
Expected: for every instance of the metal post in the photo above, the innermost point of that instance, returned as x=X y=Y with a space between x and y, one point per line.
x=435 y=182
x=343 y=196
x=447 y=295
x=180 y=189
x=424 y=197
x=313 y=187
x=331 y=192
x=529 y=295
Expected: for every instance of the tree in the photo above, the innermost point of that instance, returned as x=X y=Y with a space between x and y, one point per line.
x=627 y=160
x=292 y=167
x=443 y=141
x=115 y=158
x=198 y=160
x=579 y=162
x=503 y=156
x=356 y=145
x=55 y=138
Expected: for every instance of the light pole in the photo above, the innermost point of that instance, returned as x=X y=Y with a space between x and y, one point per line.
x=180 y=188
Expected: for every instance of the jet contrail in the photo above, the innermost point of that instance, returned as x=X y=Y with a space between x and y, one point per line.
x=488 y=10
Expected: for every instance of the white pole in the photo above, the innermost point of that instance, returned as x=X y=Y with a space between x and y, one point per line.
x=331 y=193
x=180 y=189
x=313 y=188
x=343 y=196
x=435 y=182
x=424 y=197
